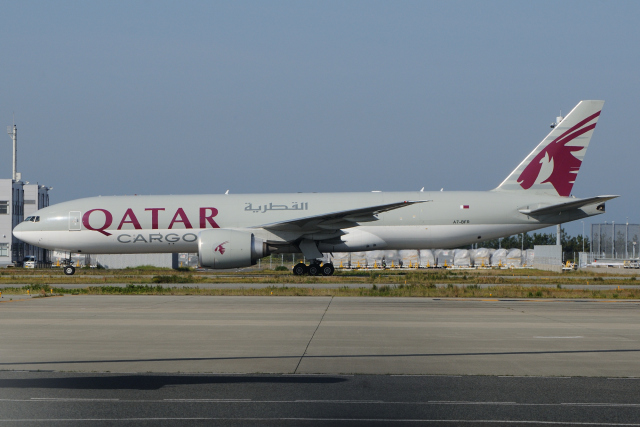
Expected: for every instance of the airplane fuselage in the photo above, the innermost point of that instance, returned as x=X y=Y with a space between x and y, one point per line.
x=152 y=224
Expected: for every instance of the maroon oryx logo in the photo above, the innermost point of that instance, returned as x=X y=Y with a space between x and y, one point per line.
x=565 y=164
x=220 y=248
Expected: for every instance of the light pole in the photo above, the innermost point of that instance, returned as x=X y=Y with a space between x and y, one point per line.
x=626 y=240
x=582 y=236
x=613 y=239
x=634 y=249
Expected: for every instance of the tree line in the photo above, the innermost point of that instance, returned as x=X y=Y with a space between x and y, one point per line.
x=570 y=244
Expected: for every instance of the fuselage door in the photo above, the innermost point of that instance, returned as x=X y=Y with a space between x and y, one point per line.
x=74 y=220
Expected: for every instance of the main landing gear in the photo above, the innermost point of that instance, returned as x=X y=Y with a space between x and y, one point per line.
x=314 y=269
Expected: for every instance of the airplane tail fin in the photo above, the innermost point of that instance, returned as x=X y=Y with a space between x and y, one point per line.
x=552 y=167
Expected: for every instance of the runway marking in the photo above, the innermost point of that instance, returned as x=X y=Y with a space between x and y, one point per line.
x=468 y=402
x=566 y=338
x=424 y=375
x=384 y=420
x=632 y=405
x=206 y=400
x=531 y=376
x=335 y=401
x=71 y=399
x=363 y=402
x=314 y=375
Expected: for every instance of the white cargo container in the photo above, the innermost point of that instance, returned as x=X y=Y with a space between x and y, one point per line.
x=409 y=257
x=528 y=257
x=461 y=258
x=339 y=259
x=374 y=258
x=514 y=258
x=481 y=257
x=358 y=259
x=499 y=258
x=426 y=258
x=390 y=257
x=444 y=257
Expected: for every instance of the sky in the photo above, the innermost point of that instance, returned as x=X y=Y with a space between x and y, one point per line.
x=166 y=97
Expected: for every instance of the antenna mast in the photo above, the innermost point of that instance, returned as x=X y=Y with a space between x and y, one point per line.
x=13 y=132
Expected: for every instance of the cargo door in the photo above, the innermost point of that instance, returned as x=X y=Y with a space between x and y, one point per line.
x=74 y=220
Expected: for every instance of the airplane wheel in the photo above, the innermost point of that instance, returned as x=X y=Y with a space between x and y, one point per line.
x=69 y=270
x=328 y=269
x=300 y=269
x=314 y=270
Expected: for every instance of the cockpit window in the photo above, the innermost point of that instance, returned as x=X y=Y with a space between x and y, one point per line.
x=37 y=219
x=29 y=218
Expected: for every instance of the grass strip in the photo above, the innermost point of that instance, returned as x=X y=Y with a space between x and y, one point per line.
x=431 y=290
x=48 y=278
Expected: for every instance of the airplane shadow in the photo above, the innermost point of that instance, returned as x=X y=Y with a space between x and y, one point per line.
x=156 y=382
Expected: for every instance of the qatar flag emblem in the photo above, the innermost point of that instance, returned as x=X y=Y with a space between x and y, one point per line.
x=464 y=206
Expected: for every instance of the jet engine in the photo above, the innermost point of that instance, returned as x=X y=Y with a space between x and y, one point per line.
x=223 y=248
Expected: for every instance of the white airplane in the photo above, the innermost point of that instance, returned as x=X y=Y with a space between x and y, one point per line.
x=235 y=230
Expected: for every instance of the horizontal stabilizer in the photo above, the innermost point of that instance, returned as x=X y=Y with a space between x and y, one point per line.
x=565 y=207
x=337 y=220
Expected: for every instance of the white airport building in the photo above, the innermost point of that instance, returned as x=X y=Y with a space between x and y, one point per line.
x=19 y=200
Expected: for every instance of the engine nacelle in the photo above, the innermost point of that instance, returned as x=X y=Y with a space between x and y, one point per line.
x=223 y=248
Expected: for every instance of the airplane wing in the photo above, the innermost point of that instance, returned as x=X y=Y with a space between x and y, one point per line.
x=337 y=220
x=563 y=207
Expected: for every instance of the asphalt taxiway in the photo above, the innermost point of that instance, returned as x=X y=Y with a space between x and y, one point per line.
x=54 y=398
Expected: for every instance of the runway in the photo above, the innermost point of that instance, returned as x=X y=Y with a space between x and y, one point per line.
x=321 y=335
x=184 y=360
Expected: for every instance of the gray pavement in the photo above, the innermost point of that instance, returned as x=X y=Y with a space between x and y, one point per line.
x=321 y=335
x=194 y=360
x=55 y=398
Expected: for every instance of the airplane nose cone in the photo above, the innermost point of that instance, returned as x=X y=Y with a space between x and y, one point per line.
x=20 y=232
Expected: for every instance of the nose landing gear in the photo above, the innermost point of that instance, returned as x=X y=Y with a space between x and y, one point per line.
x=314 y=269
x=68 y=267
